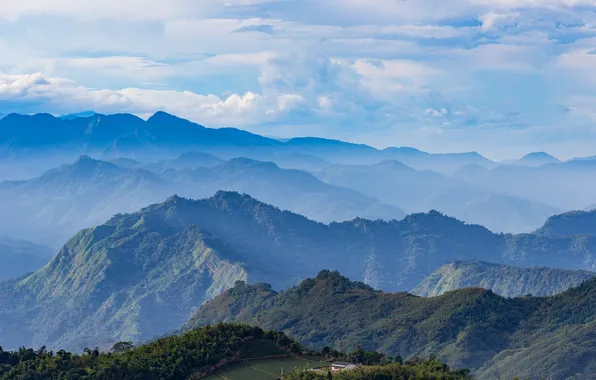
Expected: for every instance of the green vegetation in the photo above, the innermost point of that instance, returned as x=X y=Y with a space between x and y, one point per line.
x=504 y=280
x=142 y=275
x=264 y=369
x=411 y=370
x=470 y=328
x=223 y=351
x=191 y=355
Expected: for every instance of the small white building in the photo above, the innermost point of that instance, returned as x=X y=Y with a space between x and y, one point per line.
x=342 y=366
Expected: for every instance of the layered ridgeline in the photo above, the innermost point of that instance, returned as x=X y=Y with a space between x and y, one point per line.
x=570 y=223
x=499 y=338
x=413 y=190
x=566 y=186
x=53 y=207
x=504 y=280
x=142 y=274
x=18 y=257
x=32 y=138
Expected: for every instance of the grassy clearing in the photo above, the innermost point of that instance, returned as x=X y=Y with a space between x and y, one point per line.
x=264 y=369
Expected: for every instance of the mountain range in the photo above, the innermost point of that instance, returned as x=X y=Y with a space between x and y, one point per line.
x=498 y=338
x=413 y=190
x=142 y=274
x=504 y=280
x=566 y=186
x=31 y=136
x=510 y=197
x=59 y=203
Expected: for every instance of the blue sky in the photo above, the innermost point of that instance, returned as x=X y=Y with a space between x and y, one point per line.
x=502 y=77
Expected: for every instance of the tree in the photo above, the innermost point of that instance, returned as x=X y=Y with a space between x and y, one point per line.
x=122 y=346
x=295 y=348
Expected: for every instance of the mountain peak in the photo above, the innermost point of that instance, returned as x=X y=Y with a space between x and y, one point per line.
x=243 y=163
x=78 y=115
x=161 y=116
x=86 y=162
x=84 y=158
x=537 y=159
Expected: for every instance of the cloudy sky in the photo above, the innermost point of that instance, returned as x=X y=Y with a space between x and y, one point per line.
x=502 y=77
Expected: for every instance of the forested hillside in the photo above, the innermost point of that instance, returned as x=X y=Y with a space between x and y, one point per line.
x=143 y=274
x=498 y=338
x=188 y=356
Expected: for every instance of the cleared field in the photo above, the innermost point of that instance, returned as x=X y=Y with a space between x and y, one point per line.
x=264 y=369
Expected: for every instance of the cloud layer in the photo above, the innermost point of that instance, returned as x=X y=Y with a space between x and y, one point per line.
x=502 y=77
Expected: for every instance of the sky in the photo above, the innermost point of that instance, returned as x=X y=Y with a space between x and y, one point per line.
x=500 y=77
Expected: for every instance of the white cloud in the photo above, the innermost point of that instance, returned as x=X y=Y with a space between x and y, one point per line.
x=35 y=93
x=339 y=67
x=491 y=19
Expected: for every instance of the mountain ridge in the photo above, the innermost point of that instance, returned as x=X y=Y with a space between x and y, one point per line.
x=506 y=281
x=474 y=328
x=126 y=134
x=142 y=274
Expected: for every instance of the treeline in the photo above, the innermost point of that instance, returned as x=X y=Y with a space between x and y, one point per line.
x=197 y=353
x=415 y=369
x=190 y=355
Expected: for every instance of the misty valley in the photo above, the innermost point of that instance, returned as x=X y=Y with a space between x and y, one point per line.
x=126 y=240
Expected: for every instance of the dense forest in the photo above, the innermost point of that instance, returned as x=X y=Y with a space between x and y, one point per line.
x=195 y=354
x=494 y=336
x=175 y=357
x=141 y=275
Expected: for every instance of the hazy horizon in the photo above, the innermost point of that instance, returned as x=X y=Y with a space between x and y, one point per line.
x=497 y=159
x=502 y=78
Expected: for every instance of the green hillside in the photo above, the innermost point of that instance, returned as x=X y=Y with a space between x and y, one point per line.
x=192 y=355
x=142 y=275
x=504 y=280
x=473 y=328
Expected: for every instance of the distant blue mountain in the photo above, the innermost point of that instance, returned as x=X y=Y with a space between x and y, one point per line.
x=537 y=159
x=83 y=114
x=128 y=135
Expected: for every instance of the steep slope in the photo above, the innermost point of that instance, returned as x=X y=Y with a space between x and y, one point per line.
x=474 y=328
x=504 y=280
x=131 y=279
x=139 y=275
x=18 y=257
